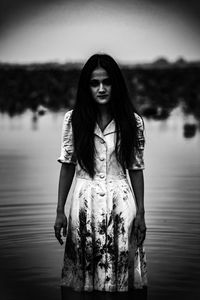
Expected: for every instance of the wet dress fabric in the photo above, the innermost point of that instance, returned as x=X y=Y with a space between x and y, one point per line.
x=100 y=250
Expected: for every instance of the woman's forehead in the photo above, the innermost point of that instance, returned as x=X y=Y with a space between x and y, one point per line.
x=99 y=72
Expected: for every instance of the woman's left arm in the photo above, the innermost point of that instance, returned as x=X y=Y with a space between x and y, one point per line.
x=137 y=182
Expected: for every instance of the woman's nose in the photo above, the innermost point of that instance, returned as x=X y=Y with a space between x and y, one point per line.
x=101 y=87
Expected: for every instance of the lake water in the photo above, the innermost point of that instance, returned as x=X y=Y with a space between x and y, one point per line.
x=31 y=258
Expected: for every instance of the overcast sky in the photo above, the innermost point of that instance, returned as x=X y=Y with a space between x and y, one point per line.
x=130 y=30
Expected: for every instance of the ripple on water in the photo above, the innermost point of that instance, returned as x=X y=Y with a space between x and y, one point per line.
x=29 y=254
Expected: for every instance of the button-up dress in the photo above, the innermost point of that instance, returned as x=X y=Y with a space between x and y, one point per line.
x=100 y=250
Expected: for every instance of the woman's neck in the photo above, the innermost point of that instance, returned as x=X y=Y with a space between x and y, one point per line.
x=103 y=111
x=104 y=117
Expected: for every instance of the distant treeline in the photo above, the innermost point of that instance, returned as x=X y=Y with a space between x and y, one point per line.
x=155 y=88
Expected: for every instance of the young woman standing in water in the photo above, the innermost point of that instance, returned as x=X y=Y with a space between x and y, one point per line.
x=102 y=142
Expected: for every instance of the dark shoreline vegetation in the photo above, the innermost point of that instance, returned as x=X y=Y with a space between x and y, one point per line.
x=157 y=88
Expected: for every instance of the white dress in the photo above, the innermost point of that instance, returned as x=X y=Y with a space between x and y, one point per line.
x=100 y=251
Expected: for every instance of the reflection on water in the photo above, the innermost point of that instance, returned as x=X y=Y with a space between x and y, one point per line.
x=30 y=257
x=67 y=294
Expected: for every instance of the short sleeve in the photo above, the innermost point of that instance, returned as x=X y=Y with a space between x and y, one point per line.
x=67 y=148
x=137 y=162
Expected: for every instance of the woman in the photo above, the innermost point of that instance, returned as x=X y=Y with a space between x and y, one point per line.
x=102 y=142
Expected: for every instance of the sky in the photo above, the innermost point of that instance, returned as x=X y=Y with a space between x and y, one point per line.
x=72 y=30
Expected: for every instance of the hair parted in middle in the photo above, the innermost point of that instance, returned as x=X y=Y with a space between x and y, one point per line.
x=84 y=115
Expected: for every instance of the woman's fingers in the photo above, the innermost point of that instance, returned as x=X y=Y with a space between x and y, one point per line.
x=61 y=222
x=139 y=232
x=65 y=230
x=65 y=227
x=141 y=237
x=57 y=230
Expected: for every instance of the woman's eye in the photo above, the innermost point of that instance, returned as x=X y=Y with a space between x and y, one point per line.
x=107 y=81
x=94 y=83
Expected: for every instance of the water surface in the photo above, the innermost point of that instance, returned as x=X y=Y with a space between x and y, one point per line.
x=31 y=258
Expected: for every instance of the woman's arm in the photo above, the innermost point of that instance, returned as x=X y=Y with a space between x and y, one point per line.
x=65 y=181
x=66 y=176
x=137 y=182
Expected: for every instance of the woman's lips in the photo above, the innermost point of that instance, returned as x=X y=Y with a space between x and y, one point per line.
x=102 y=96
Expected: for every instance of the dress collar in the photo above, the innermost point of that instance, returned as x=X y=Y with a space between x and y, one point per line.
x=110 y=128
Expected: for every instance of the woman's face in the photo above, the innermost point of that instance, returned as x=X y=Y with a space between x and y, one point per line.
x=100 y=86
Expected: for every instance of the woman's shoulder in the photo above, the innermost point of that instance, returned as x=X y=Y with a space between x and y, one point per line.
x=139 y=121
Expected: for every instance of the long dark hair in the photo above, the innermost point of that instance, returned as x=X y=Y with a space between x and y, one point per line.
x=84 y=116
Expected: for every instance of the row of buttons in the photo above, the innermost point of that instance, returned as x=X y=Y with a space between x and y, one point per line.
x=102 y=176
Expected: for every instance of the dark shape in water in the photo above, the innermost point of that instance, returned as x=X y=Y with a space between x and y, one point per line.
x=157 y=113
x=41 y=110
x=189 y=130
x=149 y=112
x=162 y=114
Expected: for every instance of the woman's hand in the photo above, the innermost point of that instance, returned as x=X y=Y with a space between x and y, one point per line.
x=139 y=229
x=61 y=222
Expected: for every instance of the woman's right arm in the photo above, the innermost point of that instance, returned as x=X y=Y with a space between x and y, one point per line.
x=65 y=181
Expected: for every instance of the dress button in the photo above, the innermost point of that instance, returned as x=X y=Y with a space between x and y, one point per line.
x=102 y=142
x=102 y=176
x=102 y=194
x=102 y=158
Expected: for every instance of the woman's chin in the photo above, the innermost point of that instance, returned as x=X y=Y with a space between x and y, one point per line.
x=102 y=100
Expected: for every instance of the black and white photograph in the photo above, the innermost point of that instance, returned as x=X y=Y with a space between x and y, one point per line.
x=99 y=149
